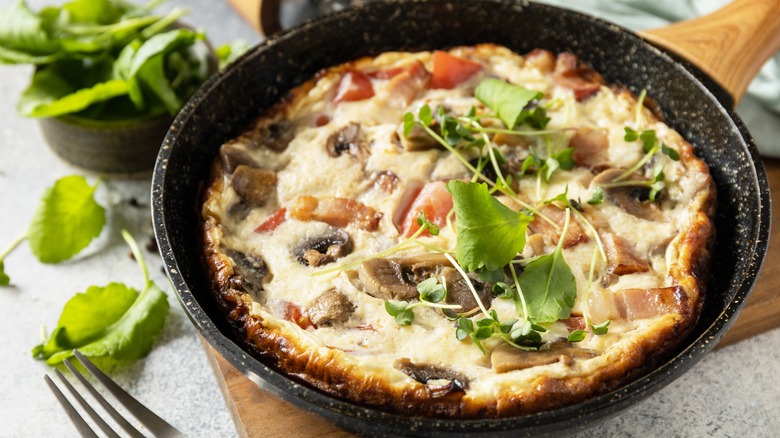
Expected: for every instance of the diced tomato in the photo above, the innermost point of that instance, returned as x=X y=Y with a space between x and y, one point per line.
x=449 y=71
x=354 y=86
x=294 y=314
x=435 y=201
x=272 y=221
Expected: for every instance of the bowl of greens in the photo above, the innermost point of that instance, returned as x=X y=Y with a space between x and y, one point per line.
x=109 y=77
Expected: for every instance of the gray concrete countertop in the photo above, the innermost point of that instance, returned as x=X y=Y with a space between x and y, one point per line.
x=731 y=392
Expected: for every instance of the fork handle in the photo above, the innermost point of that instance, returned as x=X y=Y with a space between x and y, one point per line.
x=730 y=44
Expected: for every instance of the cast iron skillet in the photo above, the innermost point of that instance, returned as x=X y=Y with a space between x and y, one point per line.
x=693 y=104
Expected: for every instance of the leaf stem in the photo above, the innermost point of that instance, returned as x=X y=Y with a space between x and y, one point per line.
x=468 y=282
x=519 y=292
x=137 y=254
x=482 y=129
x=640 y=102
x=592 y=229
x=638 y=165
x=585 y=305
x=13 y=245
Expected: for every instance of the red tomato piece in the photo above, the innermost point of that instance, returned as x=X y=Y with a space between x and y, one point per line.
x=435 y=201
x=449 y=71
x=272 y=221
x=354 y=86
x=294 y=314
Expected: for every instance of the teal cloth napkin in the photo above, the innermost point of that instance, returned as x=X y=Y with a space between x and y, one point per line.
x=760 y=108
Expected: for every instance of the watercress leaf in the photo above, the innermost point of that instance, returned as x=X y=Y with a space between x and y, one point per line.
x=597 y=197
x=430 y=290
x=461 y=334
x=550 y=165
x=67 y=219
x=228 y=53
x=489 y=233
x=425 y=115
x=631 y=135
x=432 y=228
x=565 y=159
x=405 y=318
x=577 y=336
x=600 y=329
x=408 y=124
x=669 y=152
x=549 y=288
x=87 y=315
x=484 y=332
x=506 y=100
x=5 y=280
x=485 y=322
x=23 y=32
x=49 y=95
x=466 y=324
x=395 y=307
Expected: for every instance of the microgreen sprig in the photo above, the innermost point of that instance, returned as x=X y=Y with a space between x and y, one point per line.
x=432 y=293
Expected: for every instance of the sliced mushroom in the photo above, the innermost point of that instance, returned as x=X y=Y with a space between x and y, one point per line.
x=347 y=140
x=506 y=358
x=384 y=279
x=632 y=199
x=385 y=181
x=330 y=307
x=272 y=134
x=252 y=270
x=254 y=186
x=440 y=380
x=324 y=249
x=233 y=155
x=458 y=291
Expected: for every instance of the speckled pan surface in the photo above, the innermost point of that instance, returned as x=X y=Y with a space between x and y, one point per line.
x=231 y=99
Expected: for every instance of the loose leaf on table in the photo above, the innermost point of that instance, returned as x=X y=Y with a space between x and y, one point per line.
x=67 y=220
x=22 y=33
x=489 y=234
x=4 y=279
x=49 y=95
x=113 y=322
x=507 y=100
x=549 y=287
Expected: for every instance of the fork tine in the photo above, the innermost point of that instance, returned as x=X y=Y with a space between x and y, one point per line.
x=99 y=421
x=108 y=408
x=159 y=427
x=79 y=422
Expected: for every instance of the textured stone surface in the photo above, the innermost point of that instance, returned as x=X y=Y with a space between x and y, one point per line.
x=732 y=392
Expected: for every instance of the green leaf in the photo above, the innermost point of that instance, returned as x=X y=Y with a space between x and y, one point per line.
x=4 y=279
x=488 y=275
x=535 y=118
x=503 y=290
x=408 y=124
x=393 y=307
x=49 y=95
x=669 y=152
x=631 y=135
x=600 y=329
x=113 y=322
x=94 y=11
x=597 y=197
x=551 y=165
x=577 y=336
x=565 y=159
x=655 y=188
x=22 y=32
x=431 y=291
x=549 y=288
x=67 y=219
x=465 y=328
x=648 y=140
x=425 y=115
x=489 y=234
x=506 y=100
x=431 y=227
x=227 y=53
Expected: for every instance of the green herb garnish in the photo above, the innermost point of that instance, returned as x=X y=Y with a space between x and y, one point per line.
x=510 y=103
x=597 y=197
x=432 y=293
x=114 y=322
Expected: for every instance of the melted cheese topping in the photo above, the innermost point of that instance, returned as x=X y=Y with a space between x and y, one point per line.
x=370 y=338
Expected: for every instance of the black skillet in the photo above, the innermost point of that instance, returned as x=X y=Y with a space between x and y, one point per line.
x=692 y=103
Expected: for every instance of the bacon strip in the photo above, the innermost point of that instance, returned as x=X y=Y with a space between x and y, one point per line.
x=574 y=235
x=631 y=304
x=404 y=86
x=591 y=148
x=621 y=257
x=338 y=212
x=580 y=78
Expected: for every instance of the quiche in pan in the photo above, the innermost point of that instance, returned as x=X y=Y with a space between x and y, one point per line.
x=468 y=233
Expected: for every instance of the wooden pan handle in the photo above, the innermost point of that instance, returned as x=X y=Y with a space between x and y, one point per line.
x=263 y=15
x=731 y=44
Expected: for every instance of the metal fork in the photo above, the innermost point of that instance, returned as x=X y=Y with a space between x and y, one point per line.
x=156 y=425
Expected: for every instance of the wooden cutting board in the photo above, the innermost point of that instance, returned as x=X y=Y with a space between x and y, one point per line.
x=258 y=413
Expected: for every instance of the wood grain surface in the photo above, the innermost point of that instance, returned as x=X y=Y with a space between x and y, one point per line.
x=258 y=413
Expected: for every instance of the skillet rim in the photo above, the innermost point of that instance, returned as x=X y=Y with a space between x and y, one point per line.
x=362 y=419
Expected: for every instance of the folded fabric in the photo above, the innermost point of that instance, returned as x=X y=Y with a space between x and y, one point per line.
x=760 y=108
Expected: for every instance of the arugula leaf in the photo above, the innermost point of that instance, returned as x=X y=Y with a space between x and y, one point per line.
x=49 y=95
x=5 y=280
x=507 y=100
x=548 y=286
x=22 y=31
x=67 y=219
x=114 y=322
x=489 y=234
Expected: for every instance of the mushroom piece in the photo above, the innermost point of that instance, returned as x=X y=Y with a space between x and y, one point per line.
x=324 y=249
x=275 y=135
x=632 y=199
x=233 y=155
x=253 y=185
x=385 y=180
x=506 y=358
x=330 y=307
x=252 y=271
x=440 y=380
x=458 y=291
x=347 y=140
x=384 y=279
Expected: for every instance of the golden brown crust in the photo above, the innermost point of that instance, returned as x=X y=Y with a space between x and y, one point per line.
x=329 y=371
